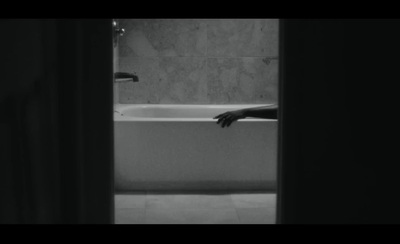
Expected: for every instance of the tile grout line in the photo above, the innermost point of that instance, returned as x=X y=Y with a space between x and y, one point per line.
x=145 y=207
x=234 y=207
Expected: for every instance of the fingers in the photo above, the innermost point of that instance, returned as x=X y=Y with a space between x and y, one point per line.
x=219 y=116
x=226 y=119
x=222 y=120
x=229 y=122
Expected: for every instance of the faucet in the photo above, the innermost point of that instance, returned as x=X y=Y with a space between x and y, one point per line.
x=116 y=111
x=119 y=76
x=117 y=32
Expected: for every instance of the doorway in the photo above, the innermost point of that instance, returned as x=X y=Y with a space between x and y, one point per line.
x=226 y=62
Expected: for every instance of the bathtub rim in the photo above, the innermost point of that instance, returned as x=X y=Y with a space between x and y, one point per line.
x=119 y=108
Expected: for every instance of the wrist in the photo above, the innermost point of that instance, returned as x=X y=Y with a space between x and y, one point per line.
x=245 y=113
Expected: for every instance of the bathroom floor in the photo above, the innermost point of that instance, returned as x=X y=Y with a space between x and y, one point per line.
x=195 y=208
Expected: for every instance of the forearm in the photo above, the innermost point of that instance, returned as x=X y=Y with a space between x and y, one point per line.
x=265 y=112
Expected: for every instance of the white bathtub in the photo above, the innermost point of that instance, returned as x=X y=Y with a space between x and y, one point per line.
x=180 y=147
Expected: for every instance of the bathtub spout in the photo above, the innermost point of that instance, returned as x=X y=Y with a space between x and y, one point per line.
x=115 y=111
x=119 y=76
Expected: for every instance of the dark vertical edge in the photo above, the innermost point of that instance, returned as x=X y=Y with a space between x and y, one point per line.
x=280 y=120
x=98 y=121
x=85 y=102
x=67 y=121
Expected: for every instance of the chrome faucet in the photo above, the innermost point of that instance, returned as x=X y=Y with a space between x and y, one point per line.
x=116 y=111
x=123 y=76
x=117 y=31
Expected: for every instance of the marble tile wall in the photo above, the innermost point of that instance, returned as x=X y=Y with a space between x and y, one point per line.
x=116 y=69
x=199 y=61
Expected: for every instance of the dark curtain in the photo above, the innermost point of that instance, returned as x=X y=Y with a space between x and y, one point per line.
x=56 y=130
x=338 y=109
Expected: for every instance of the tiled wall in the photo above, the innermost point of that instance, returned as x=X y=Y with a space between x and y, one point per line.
x=116 y=69
x=199 y=61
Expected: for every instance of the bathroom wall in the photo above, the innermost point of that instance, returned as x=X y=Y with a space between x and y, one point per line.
x=116 y=69
x=199 y=61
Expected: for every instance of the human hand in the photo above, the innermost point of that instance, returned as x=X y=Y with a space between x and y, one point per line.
x=227 y=118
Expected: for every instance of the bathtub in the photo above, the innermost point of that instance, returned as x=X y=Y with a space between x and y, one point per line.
x=180 y=147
